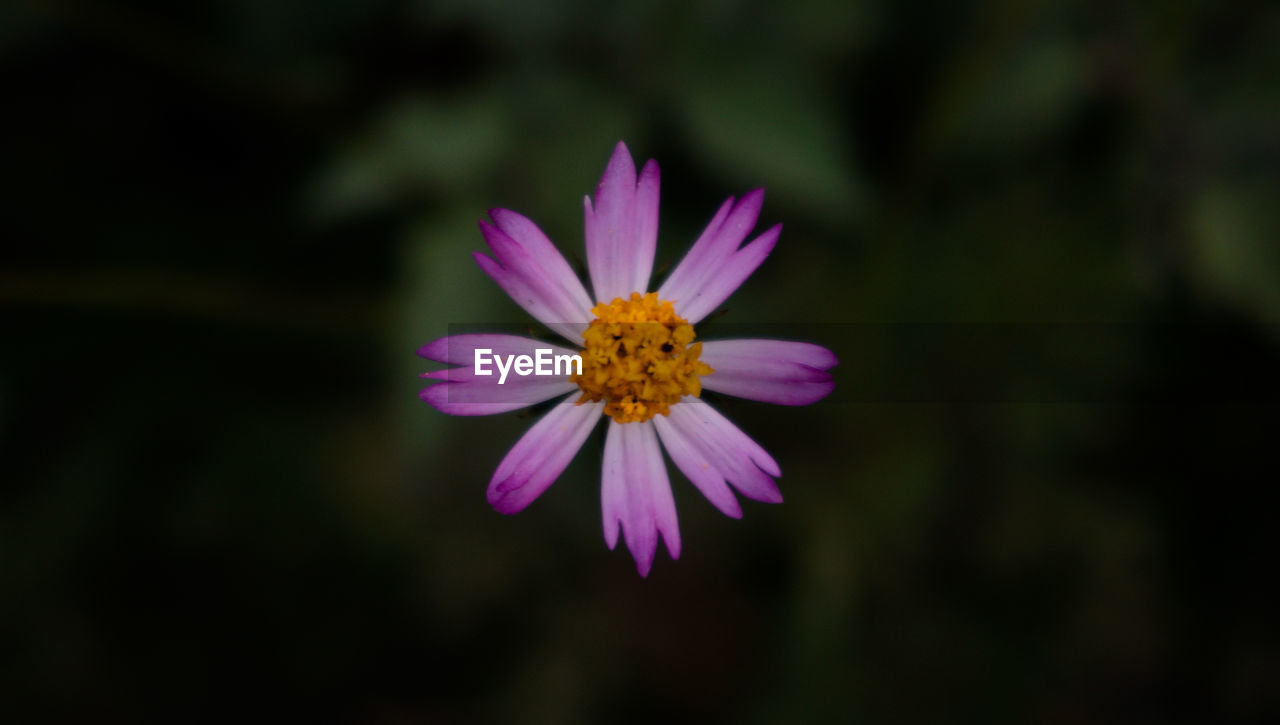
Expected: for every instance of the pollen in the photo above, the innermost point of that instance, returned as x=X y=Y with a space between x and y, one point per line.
x=640 y=358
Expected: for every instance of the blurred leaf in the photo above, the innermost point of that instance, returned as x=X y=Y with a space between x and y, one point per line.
x=568 y=127
x=844 y=26
x=774 y=127
x=442 y=145
x=1234 y=246
x=1022 y=99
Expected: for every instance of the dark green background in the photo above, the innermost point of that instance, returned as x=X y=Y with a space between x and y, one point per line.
x=227 y=227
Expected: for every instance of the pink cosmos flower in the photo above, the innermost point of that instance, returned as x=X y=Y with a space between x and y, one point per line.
x=642 y=368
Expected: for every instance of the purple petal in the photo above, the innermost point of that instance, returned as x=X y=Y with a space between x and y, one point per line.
x=763 y=350
x=541 y=455
x=636 y=494
x=695 y=466
x=613 y=491
x=462 y=392
x=532 y=300
x=713 y=249
x=645 y=228
x=532 y=280
x=728 y=276
x=682 y=277
x=740 y=460
x=730 y=434
x=539 y=247
x=621 y=227
x=773 y=371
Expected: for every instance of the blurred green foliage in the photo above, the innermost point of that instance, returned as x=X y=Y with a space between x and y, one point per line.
x=231 y=224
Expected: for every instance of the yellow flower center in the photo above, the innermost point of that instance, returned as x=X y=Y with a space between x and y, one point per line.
x=640 y=358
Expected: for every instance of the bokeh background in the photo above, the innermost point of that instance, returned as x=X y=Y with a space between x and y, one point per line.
x=229 y=225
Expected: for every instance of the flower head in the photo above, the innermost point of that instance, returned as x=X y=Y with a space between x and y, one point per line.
x=642 y=367
x=639 y=358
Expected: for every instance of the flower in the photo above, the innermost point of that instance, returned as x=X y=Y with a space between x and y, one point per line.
x=641 y=367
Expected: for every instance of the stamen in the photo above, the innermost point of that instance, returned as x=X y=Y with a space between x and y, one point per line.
x=640 y=358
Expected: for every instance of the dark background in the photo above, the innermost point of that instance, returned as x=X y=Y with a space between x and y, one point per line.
x=229 y=225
